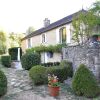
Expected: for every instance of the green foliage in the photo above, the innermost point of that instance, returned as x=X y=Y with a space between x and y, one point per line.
x=60 y=72
x=96 y=9
x=6 y=61
x=83 y=25
x=50 y=48
x=84 y=22
x=15 y=39
x=50 y=64
x=29 y=60
x=14 y=53
x=53 y=81
x=2 y=42
x=90 y=23
x=37 y=74
x=3 y=83
x=68 y=66
x=76 y=23
x=84 y=82
x=30 y=30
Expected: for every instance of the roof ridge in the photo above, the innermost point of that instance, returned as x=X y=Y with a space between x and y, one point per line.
x=53 y=25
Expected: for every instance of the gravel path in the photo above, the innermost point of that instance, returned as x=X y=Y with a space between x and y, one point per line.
x=20 y=88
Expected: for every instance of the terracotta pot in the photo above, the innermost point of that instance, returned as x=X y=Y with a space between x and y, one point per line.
x=53 y=91
x=99 y=38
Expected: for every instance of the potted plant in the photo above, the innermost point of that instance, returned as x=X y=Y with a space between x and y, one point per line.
x=53 y=85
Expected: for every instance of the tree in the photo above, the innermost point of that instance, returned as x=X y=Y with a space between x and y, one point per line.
x=78 y=29
x=15 y=39
x=2 y=42
x=96 y=8
x=30 y=30
x=19 y=37
x=84 y=22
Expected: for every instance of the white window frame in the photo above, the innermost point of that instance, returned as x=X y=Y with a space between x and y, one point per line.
x=60 y=35
x=57 y=36
x=29 y=45
x=43 y=40
x=68 y=34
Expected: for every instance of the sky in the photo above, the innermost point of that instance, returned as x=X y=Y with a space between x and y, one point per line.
x=17 y=15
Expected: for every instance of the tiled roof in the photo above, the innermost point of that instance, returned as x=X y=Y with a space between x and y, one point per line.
x=56 y=24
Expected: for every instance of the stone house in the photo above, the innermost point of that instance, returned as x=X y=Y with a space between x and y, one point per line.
x=51 y=34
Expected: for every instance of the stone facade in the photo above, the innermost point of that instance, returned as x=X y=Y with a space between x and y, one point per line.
x=87 y=54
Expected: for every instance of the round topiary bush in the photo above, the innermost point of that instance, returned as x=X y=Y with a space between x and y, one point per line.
x=68 y=66
x=29 y=60
x=84 y=82
x=3 y=83
x=37 y=74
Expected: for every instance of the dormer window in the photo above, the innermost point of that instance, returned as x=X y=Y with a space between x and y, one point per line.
x=62 y=33
x=43 y=38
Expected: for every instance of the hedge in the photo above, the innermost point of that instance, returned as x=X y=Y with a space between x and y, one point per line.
x=50 y=64
x=6 y=60
x=14 y=52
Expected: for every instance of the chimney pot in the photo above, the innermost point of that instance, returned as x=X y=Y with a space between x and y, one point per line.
x=46 y=22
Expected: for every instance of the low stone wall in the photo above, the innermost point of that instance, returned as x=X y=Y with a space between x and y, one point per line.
x=88 y=55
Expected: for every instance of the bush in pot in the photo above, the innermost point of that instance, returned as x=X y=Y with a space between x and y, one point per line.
x=53 y=85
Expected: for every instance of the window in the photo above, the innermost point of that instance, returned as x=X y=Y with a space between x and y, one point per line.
x=62 y=32
x=50 y=54
x=43 y=38
x=29 y=43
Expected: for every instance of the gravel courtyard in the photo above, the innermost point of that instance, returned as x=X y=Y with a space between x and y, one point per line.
x=20 y=88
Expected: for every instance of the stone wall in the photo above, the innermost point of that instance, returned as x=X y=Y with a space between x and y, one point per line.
x=87 y=54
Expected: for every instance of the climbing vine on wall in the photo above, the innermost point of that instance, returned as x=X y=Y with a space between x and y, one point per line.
x=43 y=48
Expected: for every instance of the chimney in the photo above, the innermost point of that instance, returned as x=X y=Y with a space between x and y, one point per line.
x=46 y=22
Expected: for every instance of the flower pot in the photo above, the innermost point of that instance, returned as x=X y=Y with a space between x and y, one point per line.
x=53 y=91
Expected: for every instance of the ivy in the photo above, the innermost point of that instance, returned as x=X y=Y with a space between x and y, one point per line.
x=43 y=48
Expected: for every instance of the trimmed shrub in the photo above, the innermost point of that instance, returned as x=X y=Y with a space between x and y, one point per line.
x=14 y=52
x=84 y=82
x=29 y=60
x=68 y=66
x=60 y=72
x=6 y=61
x=50 y=64
x=3 y=83
x=56 y=63
x=37 y=74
